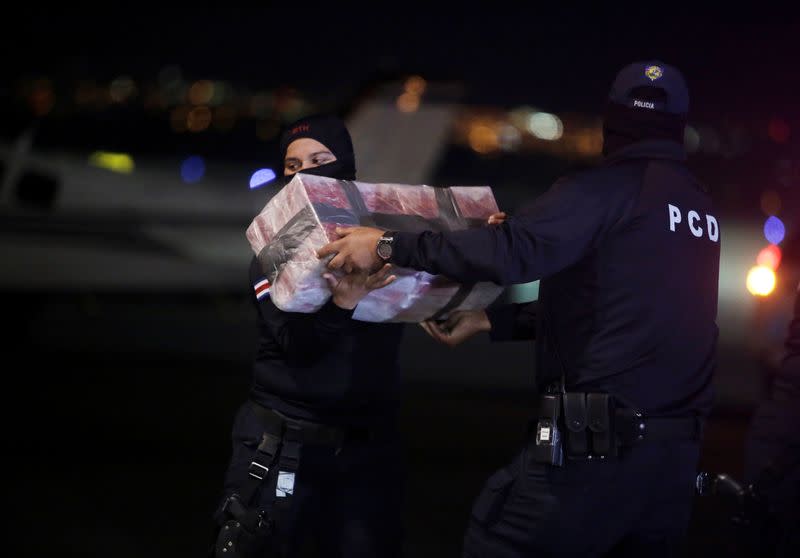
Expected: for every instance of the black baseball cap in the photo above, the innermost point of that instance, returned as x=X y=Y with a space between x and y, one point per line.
x=640 y=77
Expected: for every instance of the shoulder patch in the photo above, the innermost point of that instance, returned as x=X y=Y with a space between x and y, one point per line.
x=261 y=288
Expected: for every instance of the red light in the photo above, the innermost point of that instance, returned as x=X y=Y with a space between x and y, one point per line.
x=769 y=257
x=778 y=130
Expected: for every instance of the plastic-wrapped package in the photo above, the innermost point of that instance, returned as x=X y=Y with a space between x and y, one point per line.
x=303 y=217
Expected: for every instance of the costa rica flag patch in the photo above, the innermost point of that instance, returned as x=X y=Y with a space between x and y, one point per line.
x=261 y=288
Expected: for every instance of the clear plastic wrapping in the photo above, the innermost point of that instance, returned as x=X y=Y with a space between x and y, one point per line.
x=303 y=217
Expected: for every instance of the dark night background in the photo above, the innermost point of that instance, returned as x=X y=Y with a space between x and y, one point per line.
x=120 y=392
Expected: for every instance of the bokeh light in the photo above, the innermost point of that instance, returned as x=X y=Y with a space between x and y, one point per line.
x=223 y=92
x=774 y=230
x=261 y=177
x=770 y=257
x=116 y=162
x=408 y=102
x=193 y=169
x=483 y=138
x=415 y=85
x=201 y=92
x=545 y=126
x=509 y=137
x=760 y=281
x=199 y=119
x=520 y=116
x=778 y=130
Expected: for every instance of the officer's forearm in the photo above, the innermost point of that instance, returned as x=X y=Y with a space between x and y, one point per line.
x=469 y=256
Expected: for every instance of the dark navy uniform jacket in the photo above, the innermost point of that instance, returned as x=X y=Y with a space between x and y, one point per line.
x=628 y=257
x=325 y=366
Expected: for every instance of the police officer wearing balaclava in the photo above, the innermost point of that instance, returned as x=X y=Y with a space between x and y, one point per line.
x=316 y=460
x=628 y=258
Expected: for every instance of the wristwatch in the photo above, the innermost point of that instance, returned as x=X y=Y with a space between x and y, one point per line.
x=384 y=246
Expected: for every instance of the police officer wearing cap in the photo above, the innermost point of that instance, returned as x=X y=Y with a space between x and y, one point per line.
x=316 y=456
x=628 y=258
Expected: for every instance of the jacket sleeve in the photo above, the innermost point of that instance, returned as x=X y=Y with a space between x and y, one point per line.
x=304 y=338
x=553 y=233
x=513 y=322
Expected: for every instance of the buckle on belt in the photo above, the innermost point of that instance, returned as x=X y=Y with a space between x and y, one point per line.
x=257 y=470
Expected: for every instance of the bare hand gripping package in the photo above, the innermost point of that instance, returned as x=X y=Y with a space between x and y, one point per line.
x=303 y=217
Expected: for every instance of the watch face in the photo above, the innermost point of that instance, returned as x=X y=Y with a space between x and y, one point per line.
x=384 y=250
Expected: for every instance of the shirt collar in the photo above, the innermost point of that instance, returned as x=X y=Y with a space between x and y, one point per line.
x=648 y=149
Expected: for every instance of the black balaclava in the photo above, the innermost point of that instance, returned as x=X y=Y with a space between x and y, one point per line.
x=623 y=125
x=331 y=132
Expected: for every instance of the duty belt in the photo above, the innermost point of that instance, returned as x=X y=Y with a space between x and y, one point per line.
x=633 y=428
x=584 y=425
x=312 y=433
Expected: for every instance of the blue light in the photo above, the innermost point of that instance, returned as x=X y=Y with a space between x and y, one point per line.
x=261 y=177
x=192 y=169
x=774 y=230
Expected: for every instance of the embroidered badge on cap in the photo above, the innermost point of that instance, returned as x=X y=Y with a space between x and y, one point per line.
x=653 y=72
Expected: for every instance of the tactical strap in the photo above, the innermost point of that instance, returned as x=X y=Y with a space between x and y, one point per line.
x=265 y=457
x=278 y=454
x=288 y=464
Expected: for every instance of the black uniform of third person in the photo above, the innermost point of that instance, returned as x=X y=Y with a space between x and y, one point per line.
x=325 y=391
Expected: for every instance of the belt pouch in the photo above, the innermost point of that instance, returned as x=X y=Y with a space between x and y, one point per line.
x=601 y=423
x=545 y=446
x=575 y=421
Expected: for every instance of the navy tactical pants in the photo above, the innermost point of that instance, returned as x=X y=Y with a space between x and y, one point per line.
x=345 y=504
x=638 y=504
